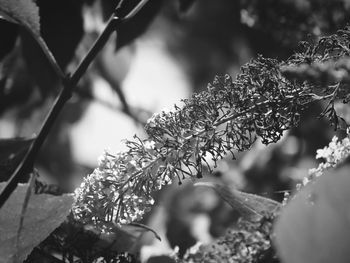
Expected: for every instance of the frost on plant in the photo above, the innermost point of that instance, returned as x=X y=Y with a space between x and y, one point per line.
x=262 y=102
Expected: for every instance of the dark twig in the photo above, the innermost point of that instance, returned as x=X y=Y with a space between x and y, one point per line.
x=112 y=24
x=132 y=112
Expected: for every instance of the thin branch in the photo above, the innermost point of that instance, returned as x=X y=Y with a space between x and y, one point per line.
x=136 y=9
x=26 y=166
x=112 y=25
x=132 y=112
x=102 y=70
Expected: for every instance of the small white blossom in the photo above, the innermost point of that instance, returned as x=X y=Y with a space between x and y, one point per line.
x=119 y=189
x=333 y=154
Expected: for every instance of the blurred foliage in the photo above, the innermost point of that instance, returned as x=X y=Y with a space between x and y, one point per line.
x=248 y=244
x=206 y=38
x=75 y=241
x=227 y=118
x=292 y=21
x=12 y=152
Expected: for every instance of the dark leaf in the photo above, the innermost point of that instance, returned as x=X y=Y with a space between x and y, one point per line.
x=26 y=14
x=314 y=227
x=185 y=5
x=83 y=240
x=62 y=30
x=12 y=152
x=89 y=2
x=137 y=25
x=38 y=65
x=61 y=27
x=16 y=82
x=7 y=43
x=10 y=147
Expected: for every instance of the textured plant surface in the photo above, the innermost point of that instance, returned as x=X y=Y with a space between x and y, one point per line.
x=248 y=244
x=266 y=99
x=333 y=154
x=252 y=241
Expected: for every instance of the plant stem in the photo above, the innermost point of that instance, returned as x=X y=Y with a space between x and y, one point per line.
x=112 y=24
x=69 y=84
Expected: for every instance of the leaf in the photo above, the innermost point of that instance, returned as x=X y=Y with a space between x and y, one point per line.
x=250 y=206
x=12 y=152
x=314 y=226
x=43 y=214
x=26 y=14
x=38 y=65
x=136 y=26
x=23 y=12
x=80 y=238
x=62 y=36
x=185 y=5
x=10 y=147
x=123 y=239
x=7 y=43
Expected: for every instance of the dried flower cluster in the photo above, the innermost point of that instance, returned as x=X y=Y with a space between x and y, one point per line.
x=263 y=101
x=247 y=245
x=324 y=69
x=119 y=190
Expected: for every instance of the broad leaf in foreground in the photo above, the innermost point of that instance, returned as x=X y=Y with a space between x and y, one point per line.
x=43 y=214
x=314 y=226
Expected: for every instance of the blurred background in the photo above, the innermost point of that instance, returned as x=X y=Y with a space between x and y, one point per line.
x=170 y=50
